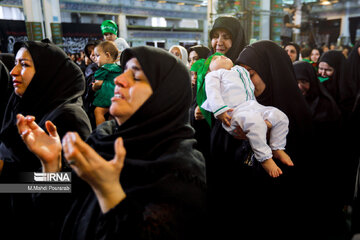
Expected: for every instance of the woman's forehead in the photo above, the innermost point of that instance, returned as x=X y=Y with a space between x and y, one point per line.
x=324 y=64
x=221 y=31
x=131 y=62
x=23 y=54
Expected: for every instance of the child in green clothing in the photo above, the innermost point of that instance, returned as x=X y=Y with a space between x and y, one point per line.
x=105 y=53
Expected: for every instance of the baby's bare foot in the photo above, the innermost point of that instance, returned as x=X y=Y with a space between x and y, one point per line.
x=271 y=168
x=283 y=157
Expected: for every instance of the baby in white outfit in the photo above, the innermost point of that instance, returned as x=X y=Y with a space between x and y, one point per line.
x=230 y=96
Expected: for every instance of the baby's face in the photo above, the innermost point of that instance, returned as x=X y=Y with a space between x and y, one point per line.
x=220 y=62
x=101 y=58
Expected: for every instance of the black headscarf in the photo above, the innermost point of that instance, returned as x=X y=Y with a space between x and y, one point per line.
x=296 y=46
x=57 y=81
x=153 y=133
x=340 y=85
x=275 y=68
x=281 y=86
x=322 y=105
x=327 y=121
x=236 y=31
x=156 y=129
x=54 y=94
x=66 y=83
x=201 y=50
x=160 y=160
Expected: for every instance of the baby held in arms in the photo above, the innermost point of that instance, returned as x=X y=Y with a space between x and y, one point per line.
x=230 y=96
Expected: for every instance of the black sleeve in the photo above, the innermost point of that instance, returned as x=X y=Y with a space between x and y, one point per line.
x=71 y=118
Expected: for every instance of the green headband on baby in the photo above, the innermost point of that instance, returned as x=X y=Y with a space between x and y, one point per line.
x=109 y=26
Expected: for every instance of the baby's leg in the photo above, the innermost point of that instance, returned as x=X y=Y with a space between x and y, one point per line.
x=283 y=157
x=271 y=168
x=253 y=125
x=278 y=133
x=279 y=129
x=99 y=113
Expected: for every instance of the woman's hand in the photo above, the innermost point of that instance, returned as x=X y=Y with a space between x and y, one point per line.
x=47 y=147
x=197 y=114
x=103 y=176
x=241 y=135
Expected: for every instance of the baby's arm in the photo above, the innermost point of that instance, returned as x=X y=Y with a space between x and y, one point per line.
x=96 y=85
x=225 y=117
x=214 y=101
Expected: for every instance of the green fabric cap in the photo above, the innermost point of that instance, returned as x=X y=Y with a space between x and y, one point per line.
x=202 y=67
x=109 y=26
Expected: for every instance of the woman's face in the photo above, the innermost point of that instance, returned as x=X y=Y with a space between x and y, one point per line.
x=304 y=86
x=315 y=55
x=325 y=70
x=132 y=89
x=92 y=54
x=193 y=57
x=176 y=52
x=291 y=51
x=23 y=71
x=193 y=78
x=256 y=80
x=221 y=41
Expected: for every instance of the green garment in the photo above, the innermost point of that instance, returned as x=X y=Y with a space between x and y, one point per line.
x=322 y=79
x=107 y=73
x=201 y=67
x=314 y=64
x=307 y=60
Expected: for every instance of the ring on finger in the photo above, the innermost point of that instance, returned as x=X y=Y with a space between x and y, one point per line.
x=23 y=134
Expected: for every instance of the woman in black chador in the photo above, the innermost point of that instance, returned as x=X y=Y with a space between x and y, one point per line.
x=323 y=107
x=334 y=71
x=247 y=193
x=330 y=195
x=48 y=86
x=161 y=190
x=227 y=37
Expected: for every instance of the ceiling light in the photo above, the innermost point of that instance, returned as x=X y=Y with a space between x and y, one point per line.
x=325 y=2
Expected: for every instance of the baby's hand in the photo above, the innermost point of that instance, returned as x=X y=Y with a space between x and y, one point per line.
x=225 y=117
x=96 y=85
